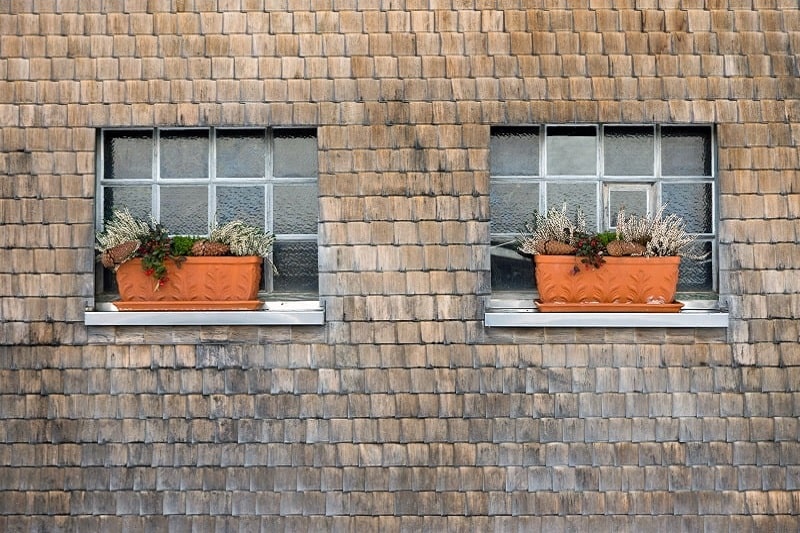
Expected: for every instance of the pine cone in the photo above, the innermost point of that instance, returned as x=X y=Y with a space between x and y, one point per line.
x=118 y=254
x=552 y=247
x=205 y=247
x=623 y=248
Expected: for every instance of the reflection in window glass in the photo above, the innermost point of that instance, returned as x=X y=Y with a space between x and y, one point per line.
x=571 y=151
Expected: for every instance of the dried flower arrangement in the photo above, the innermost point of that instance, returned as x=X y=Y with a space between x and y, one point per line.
x=126 y=237
x=555 y=233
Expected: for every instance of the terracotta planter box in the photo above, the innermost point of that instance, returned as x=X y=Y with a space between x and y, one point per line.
x=201 y=283
x=621 y=284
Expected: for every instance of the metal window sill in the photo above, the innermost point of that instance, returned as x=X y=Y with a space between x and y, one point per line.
x=520 y=318
x=296 y=313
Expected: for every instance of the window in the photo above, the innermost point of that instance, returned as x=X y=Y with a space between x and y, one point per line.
x=600 y=169
x=188 y=177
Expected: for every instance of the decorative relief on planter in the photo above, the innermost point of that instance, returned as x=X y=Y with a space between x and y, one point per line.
x=201 y=283
x=621 y=284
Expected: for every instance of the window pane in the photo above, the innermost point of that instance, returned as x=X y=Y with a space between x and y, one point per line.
x=629 y=151
x=514 y=152
x=184 y=210
x=571 y=151
x=633 y=201
x=295 y=208
x=242 y=203
x=240 y=154
x=685 y=151
x=510 y=270
x=512 y=205
x=128 y=155
x=297 y=266
x=575 y=195
x=692 y=201
x=136 y=199
x=295 y=154
x=184 y=155
x=696 y=275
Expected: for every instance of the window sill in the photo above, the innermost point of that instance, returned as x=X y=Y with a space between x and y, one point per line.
x=516 y=312
x=297 y=313
x=521 y=318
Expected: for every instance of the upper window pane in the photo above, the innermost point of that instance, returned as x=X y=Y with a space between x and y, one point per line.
x=240 y=154
x=571 y=151
x=685 y=151
x=514 y=152
x=295 y=154
x=629 y=151
x=128 y=155
x=184 y=155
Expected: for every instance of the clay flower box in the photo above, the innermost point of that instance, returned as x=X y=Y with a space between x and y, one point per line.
x=634 y=269
x=158 y=272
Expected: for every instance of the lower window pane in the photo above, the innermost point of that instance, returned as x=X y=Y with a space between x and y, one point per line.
x=184 y=210
x=512 y=205
x=296 y=208
x=694 y=274
x=136 y=199
x=510 y=270
x=297 y=266
x=575 y=195
x=240 y=203
x=692 y=201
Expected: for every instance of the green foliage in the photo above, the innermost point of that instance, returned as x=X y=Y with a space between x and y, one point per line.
x=182 y=244
x=591 y=250
x=606 y=237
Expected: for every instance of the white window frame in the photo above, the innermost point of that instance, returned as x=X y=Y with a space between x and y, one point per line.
x=516 y=309
x=300 y=310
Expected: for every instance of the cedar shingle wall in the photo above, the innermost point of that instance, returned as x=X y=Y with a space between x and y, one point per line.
x=403 y=411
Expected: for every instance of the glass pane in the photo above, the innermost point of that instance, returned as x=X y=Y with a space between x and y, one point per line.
x=184 y=154
x=685 y=151
x=240 y=154
x=633 y=201
x=510 y=270
x=512 y=205
x=696 y=275
x=136 y=199
x=128 y=155
x=629 y=151
x=184 y=210
x=514 y=152
x=297 y=266
x=575 y=195
x=242 y=203
x=572 y=151
x=295 y=208
x=295 y=154
x=692 y=201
